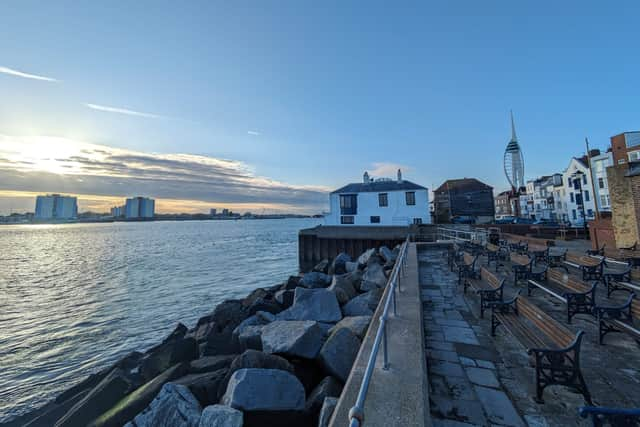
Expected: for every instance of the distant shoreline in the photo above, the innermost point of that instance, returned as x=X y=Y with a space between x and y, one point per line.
x=169 y=217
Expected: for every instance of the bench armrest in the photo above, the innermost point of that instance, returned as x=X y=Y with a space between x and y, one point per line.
x=505 y=306
x=574 y=344
x=594 y=411
x=614 y=312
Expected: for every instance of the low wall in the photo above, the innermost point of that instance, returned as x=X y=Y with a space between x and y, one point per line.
x=398 y=396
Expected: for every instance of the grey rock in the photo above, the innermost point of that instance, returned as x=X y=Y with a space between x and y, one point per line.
x=174 y=406
x=220 y=342
x=285 y=297
x=135 y=402
x=387 y=254
x=293 y=338
x=315 y=280
x=175 y=349
x=338 y=266
x=364 y=258
x=103 y=396
x=229 y=314
x=264 y=390
x=269 y=305
x=328 y=387
x=322 y=266
x=255 y=359
x=328 y=406
x=339 y=352
x=220 y=416
x=373 y=278
x=342 y=286
x=292 y=283
x=205 y=385
x=364 y=304
x=351 y=266
x=249 y=337
x=320 y=305
x=356 y=324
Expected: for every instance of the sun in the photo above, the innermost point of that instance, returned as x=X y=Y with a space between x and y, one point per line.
x=42 y=154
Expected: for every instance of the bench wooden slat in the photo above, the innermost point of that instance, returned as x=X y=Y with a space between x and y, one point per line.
x=523 y=333
x=563 y=279
x=519 y=259
x=544 y=322
x=583 y=260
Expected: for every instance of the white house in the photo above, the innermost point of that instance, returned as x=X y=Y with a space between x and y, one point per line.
x=599 y=165
x=379 y=202
x=578 y=192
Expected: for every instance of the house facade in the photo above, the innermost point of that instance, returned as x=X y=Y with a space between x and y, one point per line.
x=379 y=202
x=465 y=199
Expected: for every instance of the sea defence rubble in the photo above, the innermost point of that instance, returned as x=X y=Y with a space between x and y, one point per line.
x=278 y=357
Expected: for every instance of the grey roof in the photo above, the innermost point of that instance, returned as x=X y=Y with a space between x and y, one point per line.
x=379 y=187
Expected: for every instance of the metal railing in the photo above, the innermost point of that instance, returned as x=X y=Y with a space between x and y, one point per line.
x=356 y=413
x=480 y=235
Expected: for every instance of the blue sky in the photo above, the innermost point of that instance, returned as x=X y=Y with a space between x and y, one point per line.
x=304 y=96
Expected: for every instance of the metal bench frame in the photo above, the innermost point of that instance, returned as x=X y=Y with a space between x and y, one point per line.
x=589 y=272
x=466 y=270
x=522 y=271
x=601 y=416
x=553 y=367
x=487 y=296
x=616 y=319
x=577 y=302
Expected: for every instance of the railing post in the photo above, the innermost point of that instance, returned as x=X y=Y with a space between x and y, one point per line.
x=385 y=365
x=395 y=310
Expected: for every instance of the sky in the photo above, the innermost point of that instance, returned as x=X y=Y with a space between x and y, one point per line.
x=269 y=105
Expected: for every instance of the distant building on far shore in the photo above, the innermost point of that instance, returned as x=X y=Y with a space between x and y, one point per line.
x=139 y=208
x=225 y=212
x=379 y=202
x=213 y=212
x=117 y=211
x=55 y=206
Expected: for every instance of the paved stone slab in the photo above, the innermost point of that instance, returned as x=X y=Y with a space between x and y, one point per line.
x=469 y=411
x=460 y=335
x=448 y=356
x=483 y=377
x=498 y=407
x=446 y=368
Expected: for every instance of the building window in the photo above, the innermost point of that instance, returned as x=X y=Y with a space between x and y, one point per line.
x=573 y=214
x=348 y=204
x=346 y=219
x=584 y=179
x=410 y=197
x=590 y=213
x=375 y=220
x=571 y=197
x=570 y=183
x=620 y=161
x=603 y=200
x=383 y=199
x=417 y=220
x=600 y=182
x=586 y=195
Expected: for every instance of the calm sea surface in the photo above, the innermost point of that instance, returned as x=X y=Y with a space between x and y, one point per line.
x=75 y=298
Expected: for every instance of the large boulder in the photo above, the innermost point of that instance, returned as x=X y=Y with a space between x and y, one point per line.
x=308 y=372
x=205 y=385
x=249 y=337
x=221 y=416
x=315 y=280
x=326 y=412
x=291 y=283
x=338 y=266
x=292 y=338
x=350 y=267
x=135 y=402
x=255 y=359
x=113 y=387
x=356 y=324
x=328 y=387
x=218 y=343
x=387 y=254
x=174 y=406
x=339 y=352
x=269 y=305
x=342 y=286
x=264 y=390
x=320 y=305
x=228 y=314
x=373 y=278
x=364 y=258
x=284 y=297
x=176 y=348
x=322 y=266
x=364 y=304
x=211 y=363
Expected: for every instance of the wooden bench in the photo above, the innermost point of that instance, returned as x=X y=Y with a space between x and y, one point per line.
x=454 y=255
x=598 y=251
x=517 y=246
x=488 y=286
x=591 y=267
x=538 y=253
x=616 y=272
x=556 y=349
x=630 y=285
x=631 y=257
x=577 y=295
x=521 y=266
x=495 y=254
x=622 y=318
x=466 y=266
x=556 y=256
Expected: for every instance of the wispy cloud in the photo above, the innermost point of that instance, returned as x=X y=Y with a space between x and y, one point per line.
x=118 y=110
x=253 y=132
x=388 y=170
x=48 y=164
x=16 y=73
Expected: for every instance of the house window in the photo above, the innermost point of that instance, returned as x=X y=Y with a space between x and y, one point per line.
x=348 y=204
x=417 y=220
x=383 y=199
x=571 y=197
x=346 y=219
x=600 y=182
x=603 y=200
x=584 y=179
x=590 y=213
x=410 y=198
x=375 y=220
x=573 y=214
x=570 y=183
x=586 y=195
